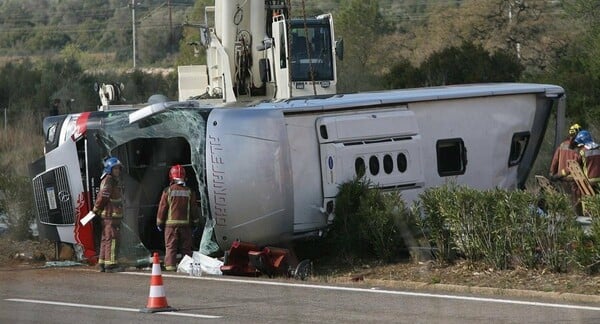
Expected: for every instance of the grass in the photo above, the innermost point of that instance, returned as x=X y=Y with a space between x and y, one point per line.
x=21 y=143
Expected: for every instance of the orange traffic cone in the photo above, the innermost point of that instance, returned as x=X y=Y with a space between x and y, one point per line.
x=157 y=301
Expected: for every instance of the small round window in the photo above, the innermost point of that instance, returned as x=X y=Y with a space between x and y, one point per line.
x=374 y=165
x=401 y=161
x=359 y=167
x=388 y=164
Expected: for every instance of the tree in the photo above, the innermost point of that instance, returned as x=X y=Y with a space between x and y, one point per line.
x=13 y=95
x=578 y=69
x=48 y=40
x=313 y=8
x=16 y=27
x=468 y=63
x=402 y=75
x=188 y=53
x=361 y=25
x=153 y=36
x=117 y=36
x=536 y=31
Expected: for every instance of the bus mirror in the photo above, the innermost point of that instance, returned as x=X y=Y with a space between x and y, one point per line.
x=204 y=37
x=265 y=73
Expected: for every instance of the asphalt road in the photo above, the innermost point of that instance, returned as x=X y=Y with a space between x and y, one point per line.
x=81 y=295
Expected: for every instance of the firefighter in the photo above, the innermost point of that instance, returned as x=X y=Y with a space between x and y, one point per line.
x=589 y=157
x=565 y=151
x=109 y=205
x=177 y=214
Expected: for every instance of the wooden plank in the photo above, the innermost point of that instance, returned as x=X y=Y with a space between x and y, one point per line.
x=582 y=181
x=545 y=184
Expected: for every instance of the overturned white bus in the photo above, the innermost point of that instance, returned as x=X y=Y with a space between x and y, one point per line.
x=269 y=172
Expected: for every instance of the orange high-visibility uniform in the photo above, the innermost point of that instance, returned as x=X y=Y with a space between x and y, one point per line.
x=179 y=212
x=563 y=153
x=590 y=162
x=109 y=205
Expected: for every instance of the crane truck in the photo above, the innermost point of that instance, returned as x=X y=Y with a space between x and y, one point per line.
x=254 y=50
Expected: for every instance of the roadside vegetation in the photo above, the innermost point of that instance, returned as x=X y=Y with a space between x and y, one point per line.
x=19 y=144
x=499 y=229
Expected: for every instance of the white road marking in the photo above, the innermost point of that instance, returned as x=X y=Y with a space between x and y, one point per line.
x=124 y=309
x=376 y=290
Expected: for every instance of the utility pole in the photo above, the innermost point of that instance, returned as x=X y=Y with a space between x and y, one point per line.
x=518 y=45
x=132 y=5
x=171 y=38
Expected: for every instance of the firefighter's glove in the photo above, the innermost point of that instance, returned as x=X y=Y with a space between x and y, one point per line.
x=196 y=231
x=160 y=228
x=555 y=177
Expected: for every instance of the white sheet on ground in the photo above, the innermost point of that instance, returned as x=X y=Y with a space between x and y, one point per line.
x=207 y=264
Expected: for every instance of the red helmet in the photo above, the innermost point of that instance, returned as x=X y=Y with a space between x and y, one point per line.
x=177 y=172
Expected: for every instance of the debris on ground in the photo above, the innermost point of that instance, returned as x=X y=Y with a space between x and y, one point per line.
x=31 y=251
x=50 y=264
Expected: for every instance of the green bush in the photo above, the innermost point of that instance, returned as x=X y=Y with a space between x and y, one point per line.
x=16 y=201
x=367 y=222
x=20 y=143
x=431 y=215
x=586 y=245
x=503 y=229
x=379 y=212
x=344 y=234
x=554 y=233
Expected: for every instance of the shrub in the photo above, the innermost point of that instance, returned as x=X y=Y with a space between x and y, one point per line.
x=380 y=213
x=17 y=203
x=586 y=244
x=501 y=228
x=367 y=222
x=21 y=145
x=432 y=212
x=554 y=231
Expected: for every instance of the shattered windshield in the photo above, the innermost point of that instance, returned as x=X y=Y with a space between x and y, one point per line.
x=148 y=148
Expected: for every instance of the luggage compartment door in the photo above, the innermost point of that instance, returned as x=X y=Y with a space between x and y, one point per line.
x=385 y=147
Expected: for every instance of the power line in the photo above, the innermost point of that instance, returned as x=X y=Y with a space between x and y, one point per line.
x=79 y=13
x=75 y=29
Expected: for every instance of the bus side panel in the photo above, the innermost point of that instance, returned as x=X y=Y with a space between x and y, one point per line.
x=249 y=176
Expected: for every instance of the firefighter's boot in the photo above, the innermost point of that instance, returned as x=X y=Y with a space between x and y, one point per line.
x=112 y=268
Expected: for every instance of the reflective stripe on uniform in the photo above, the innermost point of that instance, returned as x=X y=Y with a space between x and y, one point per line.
x=178 y=193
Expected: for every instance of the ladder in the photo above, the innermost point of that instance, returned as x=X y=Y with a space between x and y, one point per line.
x=580 y=178
x=545 y=184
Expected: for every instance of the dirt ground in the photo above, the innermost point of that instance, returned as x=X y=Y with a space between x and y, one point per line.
x=34 y=253
x=465 y=274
